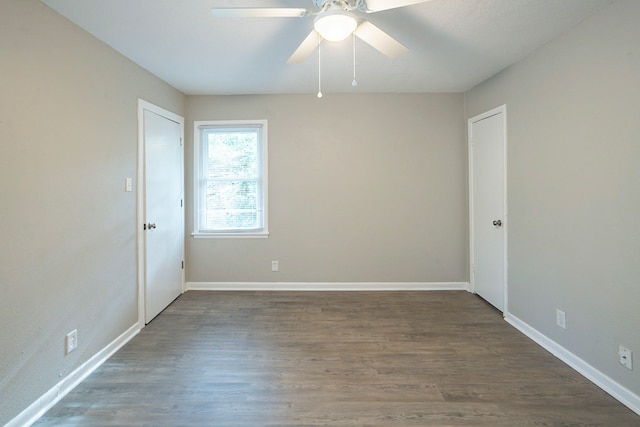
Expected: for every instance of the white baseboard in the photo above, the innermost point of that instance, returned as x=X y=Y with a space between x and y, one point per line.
x=327 y=286
x=45 y=402
x=618 y=391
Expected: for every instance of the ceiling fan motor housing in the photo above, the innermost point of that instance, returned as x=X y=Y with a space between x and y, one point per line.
x=324 y=5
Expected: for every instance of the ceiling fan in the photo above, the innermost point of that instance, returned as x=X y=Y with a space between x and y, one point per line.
x=335 y=21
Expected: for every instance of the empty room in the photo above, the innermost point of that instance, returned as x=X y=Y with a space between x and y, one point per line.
x=282 y=212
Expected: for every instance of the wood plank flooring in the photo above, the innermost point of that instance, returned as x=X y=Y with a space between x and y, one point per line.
x=334 y=359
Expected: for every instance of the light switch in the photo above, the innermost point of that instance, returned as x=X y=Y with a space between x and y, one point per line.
x=128 y=184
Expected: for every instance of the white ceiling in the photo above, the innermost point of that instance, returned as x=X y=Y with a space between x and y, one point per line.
x=453 y=44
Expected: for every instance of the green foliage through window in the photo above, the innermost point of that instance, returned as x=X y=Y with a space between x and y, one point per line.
x=231 y=188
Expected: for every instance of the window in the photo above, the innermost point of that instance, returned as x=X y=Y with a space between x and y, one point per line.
x=231 y=179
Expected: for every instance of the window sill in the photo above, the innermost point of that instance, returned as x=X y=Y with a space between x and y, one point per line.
x=200 y=235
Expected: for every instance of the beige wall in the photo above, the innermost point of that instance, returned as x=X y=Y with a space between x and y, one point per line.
x=362 y=188
x=574 y=186
x=68 y=135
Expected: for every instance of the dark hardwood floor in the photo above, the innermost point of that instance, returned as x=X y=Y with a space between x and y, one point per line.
x=335 y=359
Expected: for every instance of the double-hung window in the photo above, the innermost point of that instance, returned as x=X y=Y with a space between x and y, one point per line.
x=230 y=178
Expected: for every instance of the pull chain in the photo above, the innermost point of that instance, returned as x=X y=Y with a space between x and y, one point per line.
x=354 y=83
x=319 y=68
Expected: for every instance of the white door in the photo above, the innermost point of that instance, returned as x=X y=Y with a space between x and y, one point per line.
x=487 y=190
x=163 y=211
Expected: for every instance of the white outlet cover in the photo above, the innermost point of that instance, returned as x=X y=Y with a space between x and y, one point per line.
x=561 y=319
x=72 y=341
x=625 y=358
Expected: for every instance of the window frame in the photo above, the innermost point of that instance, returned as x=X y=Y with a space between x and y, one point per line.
x=198 y=127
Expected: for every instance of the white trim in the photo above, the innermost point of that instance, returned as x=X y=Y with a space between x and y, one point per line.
x=615 y=389
x=45 y=402
x=229 y=235
x=498 y=110
x=327 y=286
x=141 y=195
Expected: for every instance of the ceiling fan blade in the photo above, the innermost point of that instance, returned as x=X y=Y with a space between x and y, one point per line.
x=258 y=12
x=378 y=5
x=306 y=48
x=380 y=40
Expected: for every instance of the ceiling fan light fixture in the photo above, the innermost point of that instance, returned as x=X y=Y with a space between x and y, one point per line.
x=335 y=25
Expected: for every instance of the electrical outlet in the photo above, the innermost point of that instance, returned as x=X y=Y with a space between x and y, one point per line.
x=72 y=341
x=625 y=358
x=275 y=266
x=561 y=319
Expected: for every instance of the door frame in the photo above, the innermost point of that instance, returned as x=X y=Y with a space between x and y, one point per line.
x=502 y=109
x=141 y=198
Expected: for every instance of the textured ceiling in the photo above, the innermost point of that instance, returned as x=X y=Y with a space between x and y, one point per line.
x=453 y=44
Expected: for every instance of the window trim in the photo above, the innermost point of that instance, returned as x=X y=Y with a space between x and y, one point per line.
x=263 y=164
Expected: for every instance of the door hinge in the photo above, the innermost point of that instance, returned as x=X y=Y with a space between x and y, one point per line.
x=180 y=202
x=144 y=226
x=180 y=141
x=182 y=264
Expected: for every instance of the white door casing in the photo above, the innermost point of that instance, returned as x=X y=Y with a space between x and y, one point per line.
x=488 y=206
x=161 y=209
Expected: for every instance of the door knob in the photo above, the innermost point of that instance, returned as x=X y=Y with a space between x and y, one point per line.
x=497 y=223
x=153 y=225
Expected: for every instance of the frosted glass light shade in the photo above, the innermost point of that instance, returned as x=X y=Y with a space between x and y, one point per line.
x=335 y=25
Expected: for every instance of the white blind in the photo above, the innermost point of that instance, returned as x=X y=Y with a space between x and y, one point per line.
x=231 y=179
